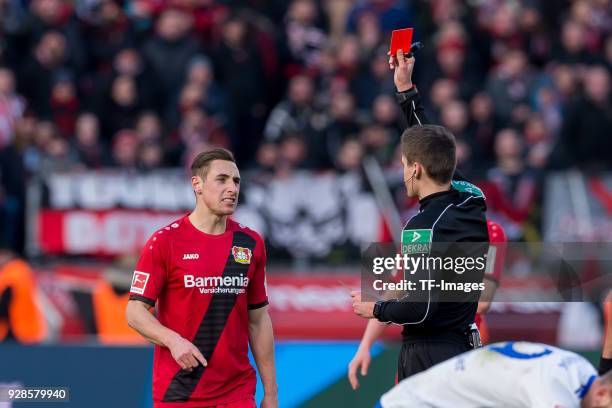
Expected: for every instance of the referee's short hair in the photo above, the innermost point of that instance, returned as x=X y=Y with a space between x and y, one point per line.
x=200 y=165
x=434 y=148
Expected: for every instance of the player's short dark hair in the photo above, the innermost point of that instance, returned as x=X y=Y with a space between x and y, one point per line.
x=199 y=166
x=434 y=148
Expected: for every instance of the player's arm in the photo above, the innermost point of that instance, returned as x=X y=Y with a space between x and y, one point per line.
x=139 y=317
x=486 y=296
x=146 y=324
x=605 y=363
x=147 y=282
x=362 y=358
x=261 y=338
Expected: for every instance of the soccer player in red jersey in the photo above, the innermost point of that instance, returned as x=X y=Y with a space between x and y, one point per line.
x=205 y=274
x=495 y=266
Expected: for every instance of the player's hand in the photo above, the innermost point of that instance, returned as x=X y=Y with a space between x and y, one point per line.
x=361 y=359
x=403 y=67
x=269 y=401
x=362 y=309
x=186 y=354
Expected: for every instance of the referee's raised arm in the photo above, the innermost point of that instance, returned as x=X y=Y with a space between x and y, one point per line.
x=407 y=94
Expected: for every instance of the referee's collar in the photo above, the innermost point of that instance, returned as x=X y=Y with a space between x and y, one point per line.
x=439 y=196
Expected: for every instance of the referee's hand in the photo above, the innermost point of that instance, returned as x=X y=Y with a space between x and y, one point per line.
x=186 y=354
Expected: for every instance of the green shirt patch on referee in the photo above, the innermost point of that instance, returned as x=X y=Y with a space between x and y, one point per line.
x=416 y=241
x=467 y=187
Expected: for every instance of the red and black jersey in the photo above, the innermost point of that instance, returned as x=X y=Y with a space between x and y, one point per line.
x=204 y=286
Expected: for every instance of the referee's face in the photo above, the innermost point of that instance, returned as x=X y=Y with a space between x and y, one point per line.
x=221 y=187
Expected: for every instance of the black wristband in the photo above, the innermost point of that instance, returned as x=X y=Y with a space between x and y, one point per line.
x=376 y=311
x=404 y=96
x=605 y=365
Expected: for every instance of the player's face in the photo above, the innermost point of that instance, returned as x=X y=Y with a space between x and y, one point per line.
x=599 y=396
x=409 y=177
x=221 y=187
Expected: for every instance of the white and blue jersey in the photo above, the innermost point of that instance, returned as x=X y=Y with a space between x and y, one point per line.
x=509 y=375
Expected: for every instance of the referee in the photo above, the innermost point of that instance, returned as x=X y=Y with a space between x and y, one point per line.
x=451 y=211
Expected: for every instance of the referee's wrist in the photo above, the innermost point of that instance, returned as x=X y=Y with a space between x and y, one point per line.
x=406 y=95
x=406 y=88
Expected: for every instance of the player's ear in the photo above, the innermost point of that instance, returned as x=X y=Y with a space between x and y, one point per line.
x=196 y=184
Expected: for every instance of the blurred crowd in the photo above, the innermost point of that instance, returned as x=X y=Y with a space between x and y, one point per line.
x=299 y=84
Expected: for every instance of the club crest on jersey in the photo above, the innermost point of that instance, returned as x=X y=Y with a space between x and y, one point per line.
x=242 y=255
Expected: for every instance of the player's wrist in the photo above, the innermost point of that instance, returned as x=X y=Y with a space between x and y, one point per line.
x=271 y=391
x=171 y=338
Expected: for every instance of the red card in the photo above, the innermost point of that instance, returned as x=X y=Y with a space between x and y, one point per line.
x=401 y=40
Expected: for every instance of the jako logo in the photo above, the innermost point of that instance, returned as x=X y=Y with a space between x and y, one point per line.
x=191 y=256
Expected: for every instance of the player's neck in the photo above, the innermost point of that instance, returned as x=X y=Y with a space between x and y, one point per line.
x=204 y=220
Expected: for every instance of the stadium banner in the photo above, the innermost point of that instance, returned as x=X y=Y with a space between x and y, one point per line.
x=304 y=216
x=106 y=232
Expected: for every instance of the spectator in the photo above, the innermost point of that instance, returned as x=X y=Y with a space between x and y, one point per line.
x=127 y=62
x=572 y=48
x=349 y=157
x=64 y=103
x=169 y=51
x=510 y=84
x=55 y=15
x=301 y=40
x=585 y=140
x=516 y=181
x=58 y=157
x=240 y=71
x=455 y=117
x=13 y=177
x=483 y=124
x=201 y=73
x=12 y=106
x=341 y=124
x=108 y=32
x=374 y=80
x=36 y=79
x=86 y=142
x=122 y=107
x=293 y=155
x=391 y=14
x=149 y=127
x=150 y=156
x=294 y=114
x=125 y=149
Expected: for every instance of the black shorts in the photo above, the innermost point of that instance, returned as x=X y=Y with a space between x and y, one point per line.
x=417 y=356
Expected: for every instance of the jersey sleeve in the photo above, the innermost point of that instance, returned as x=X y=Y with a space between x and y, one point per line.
x=257 y=294
x=497 y=251
x=151 y=270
